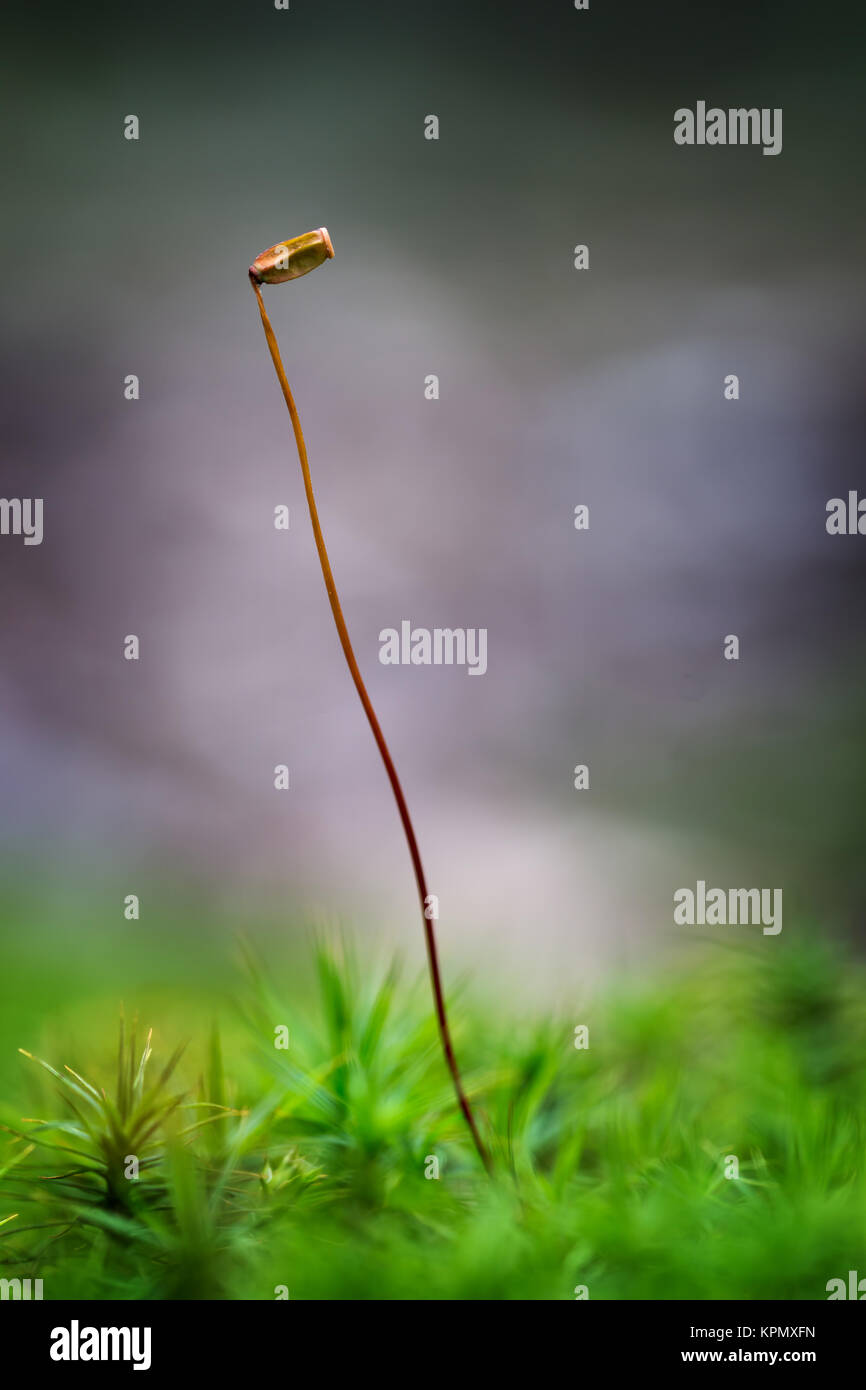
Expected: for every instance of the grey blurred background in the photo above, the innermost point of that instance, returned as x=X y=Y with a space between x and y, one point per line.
x=558 y=387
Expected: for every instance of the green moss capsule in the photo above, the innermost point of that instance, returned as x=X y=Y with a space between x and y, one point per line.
x=289 y=259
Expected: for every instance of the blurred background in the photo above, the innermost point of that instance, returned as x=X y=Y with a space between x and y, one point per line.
x=557 y=387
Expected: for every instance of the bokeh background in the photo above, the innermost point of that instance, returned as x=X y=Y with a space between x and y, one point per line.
x=558 y=387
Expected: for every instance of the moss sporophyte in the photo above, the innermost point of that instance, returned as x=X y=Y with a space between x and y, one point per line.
x=288 y=260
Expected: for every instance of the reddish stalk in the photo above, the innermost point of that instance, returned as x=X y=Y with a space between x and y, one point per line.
x=351 y=662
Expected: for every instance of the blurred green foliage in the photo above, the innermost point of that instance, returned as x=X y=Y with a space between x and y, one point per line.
x=304 y=1168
